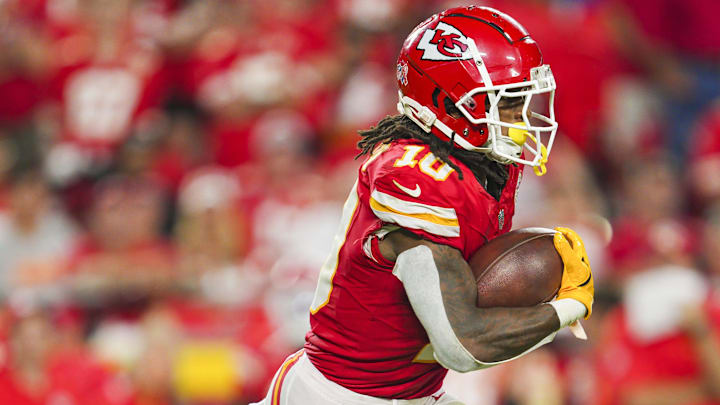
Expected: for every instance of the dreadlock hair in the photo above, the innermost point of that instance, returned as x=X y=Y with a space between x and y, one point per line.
x=492 y=175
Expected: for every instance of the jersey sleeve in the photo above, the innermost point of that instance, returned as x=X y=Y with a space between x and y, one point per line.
x=407 y=197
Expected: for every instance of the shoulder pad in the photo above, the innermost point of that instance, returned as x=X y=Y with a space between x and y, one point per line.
x=415 y=190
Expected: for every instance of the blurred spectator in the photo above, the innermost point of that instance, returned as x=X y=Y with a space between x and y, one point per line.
x=662 y=346
x=368 y=86
x=36 y=371
x=35 y=237
x=24 y=60
x=475 y=388
x=108 y=74
x=212 y=239
x=8 y=160
x=534 y=379
x=211 y=332
x=123 y=256
x=183 y=146
x=373 y=15
x=710 y=242
x=273 y=54
x=143 y=351
x=290 y=254
x=211 y=236
x=704 y=162
x=676 y=43
x=651 y=228
x=632 y=123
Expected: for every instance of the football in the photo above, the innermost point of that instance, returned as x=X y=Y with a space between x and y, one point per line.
x=518 y=269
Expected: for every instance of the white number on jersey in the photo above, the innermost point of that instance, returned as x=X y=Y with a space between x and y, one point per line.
x=429 y=164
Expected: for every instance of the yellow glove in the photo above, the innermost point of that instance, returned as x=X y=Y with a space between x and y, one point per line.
x=577 y=281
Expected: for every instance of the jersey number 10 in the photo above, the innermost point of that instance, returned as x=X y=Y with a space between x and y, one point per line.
x=428 y=164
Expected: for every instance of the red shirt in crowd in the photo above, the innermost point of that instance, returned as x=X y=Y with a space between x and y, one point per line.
x=73 y=378
x=625 y=363
x=687 y=26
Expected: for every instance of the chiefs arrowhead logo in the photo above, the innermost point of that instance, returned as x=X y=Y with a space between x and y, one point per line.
x=444 y=42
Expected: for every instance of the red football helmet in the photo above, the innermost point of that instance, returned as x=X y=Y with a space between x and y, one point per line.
x=454 y=69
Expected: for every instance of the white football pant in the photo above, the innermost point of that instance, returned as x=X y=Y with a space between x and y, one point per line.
x=298 y=382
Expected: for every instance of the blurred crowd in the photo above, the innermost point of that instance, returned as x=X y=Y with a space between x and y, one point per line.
x=172 y=173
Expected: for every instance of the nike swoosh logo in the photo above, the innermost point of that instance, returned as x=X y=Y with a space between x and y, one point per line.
x=412 y=192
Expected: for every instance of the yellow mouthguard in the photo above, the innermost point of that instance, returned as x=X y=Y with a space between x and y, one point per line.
x=519 y=136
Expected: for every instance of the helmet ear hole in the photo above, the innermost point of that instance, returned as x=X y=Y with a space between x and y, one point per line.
x=451 y=109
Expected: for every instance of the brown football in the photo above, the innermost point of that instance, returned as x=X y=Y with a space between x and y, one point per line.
x=518 y=269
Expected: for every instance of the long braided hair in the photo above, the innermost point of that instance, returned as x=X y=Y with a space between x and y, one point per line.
x=488 y=173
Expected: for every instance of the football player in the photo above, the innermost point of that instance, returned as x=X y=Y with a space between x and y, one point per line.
x=395 y=306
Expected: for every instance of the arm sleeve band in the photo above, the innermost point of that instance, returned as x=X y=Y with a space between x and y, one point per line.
x=416 y=269
x=568 y=310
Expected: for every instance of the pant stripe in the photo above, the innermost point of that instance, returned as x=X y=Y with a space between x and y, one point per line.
x=281 y=376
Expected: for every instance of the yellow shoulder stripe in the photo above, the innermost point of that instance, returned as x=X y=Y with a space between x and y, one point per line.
x=377 y=206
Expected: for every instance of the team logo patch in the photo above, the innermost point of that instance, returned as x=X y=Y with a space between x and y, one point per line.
x=444 y=42
x=501 y=219
x=402 y=71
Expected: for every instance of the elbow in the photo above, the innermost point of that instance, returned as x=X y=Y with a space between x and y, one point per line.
x=456 y=357
x=461 y=364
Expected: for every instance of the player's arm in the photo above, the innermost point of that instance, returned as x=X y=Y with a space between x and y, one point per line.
x=442 y=291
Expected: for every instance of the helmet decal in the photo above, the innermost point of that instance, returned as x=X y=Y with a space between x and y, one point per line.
x=402 y=71
x=444 y=42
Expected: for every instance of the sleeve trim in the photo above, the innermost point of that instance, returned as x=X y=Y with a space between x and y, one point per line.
x=412 y=207
x=439 y=221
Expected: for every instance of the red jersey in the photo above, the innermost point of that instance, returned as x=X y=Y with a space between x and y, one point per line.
x=364 y=334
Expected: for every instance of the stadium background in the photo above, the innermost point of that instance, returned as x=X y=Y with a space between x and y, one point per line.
x=172 y=173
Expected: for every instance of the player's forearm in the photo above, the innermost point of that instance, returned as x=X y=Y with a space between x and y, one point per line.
x=497 y=334
x=489 y=334
x=443 y=291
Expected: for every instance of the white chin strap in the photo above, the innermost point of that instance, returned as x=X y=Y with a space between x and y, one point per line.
x=504 y=146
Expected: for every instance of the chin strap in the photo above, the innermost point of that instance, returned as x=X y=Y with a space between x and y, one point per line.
x=422 y=116
x=418 y=113
x=503 y=145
